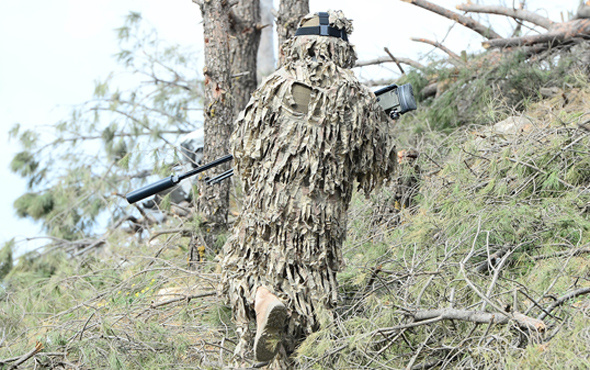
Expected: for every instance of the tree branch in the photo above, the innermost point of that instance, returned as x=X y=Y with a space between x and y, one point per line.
x=521 y=14
x=20 y=360
x=560 y=33
x=562 y=299
x=454 y=57
x=480 y=317
x=395 y=60
x=468 y=22
x=388 y=59
x=183 y=298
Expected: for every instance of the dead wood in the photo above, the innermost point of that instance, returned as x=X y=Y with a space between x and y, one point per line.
x=388 y=59
x=395 y=60
x=429 y=90
x=186 y=298
x=520 y=14
x=558 y=34
x=479 y=317
x=562 y=300
x=468 y=22
x=21 y=359
x=455 y=59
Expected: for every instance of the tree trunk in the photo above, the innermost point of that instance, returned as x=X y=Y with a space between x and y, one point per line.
x=266 y=52
x=245 y=30
x=213 y=203
x=290 y=12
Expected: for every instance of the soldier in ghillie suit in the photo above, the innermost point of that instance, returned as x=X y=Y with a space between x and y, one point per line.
x=308 y=133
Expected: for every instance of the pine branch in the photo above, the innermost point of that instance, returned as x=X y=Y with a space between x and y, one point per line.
x=388 y=59
x=480 y=317
x=468 y=22
x=562 y=300
x=520 y=14
x=455 y=59
x=560 y=33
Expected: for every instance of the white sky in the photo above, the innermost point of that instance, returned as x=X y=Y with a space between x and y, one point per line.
x=51 y=52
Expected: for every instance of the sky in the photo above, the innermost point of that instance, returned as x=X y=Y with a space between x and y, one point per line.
x=52 y=52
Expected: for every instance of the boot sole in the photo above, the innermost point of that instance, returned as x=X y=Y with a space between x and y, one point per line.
x=271 y=333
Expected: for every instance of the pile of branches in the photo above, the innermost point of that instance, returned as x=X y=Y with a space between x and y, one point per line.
x=544 y=34
x=488 y=269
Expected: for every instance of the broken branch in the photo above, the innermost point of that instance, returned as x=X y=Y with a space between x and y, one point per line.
x=394 y=60
x=387 y=59
x=520 y=14
x=436 y=44
x=468 y=22
x=560 y=33
x=480 y=317
x=564 y=298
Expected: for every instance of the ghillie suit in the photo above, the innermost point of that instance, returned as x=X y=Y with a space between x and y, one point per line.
x=309 y=131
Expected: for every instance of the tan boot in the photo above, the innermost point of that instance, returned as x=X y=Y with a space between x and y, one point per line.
x=271 y=316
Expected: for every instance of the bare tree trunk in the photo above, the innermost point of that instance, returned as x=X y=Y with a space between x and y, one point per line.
x=290 y=12
x=213 y=202
x=266 y=52
x=245 y=30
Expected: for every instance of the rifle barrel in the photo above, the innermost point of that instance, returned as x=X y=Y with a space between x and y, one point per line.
x=171 y=181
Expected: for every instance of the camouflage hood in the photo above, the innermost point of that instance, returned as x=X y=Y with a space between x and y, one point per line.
x=309 y=50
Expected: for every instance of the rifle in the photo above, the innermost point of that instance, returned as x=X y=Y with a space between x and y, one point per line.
x=395 y=101
x=171 y=181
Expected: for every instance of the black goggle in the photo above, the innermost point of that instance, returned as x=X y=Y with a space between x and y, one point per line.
x=323 y=29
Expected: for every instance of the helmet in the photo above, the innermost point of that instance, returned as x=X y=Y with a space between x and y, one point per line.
x=321 y=37
x=319 y=24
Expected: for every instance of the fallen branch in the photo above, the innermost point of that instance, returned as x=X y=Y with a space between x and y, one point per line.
x=562 y=300
x=395 y=60
x=568 y=185
x=468 y=22
x=520 y=14
x=387 y=59
x=21 y=359
x=454 y=57
x=574 y=253
x=560 y=33
x=182 y=298
x=479 y=317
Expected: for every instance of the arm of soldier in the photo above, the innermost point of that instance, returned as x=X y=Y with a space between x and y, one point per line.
x=247 y=140
x=376 y=152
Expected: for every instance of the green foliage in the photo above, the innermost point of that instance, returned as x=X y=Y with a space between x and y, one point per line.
x=6 y=258
x=78 y=170
x=491 y=87
x=523 y=194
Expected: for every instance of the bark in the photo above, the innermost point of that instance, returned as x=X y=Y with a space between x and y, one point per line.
x=290 y=12
x=520 y=14
x=245 y=29
x=213 y=203
x=266 y=52
x=486 y=32
x=559 y=33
